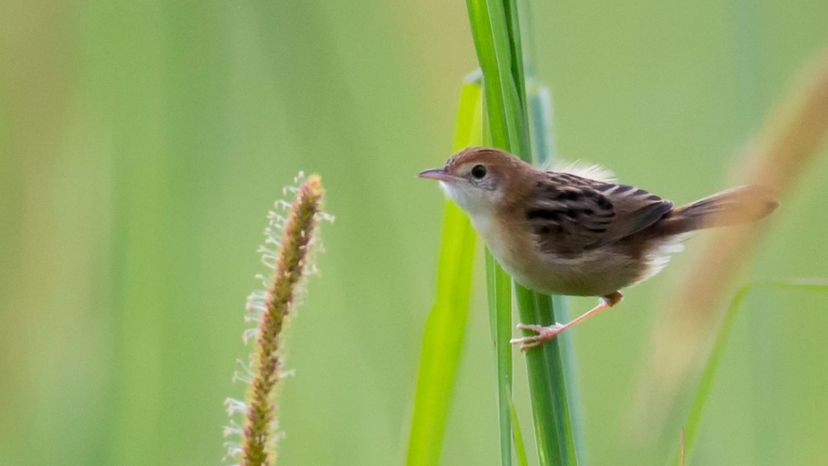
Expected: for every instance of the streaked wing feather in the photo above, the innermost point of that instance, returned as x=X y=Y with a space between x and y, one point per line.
x=570 y=214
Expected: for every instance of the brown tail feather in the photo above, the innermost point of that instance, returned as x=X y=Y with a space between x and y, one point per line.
x=742 y=204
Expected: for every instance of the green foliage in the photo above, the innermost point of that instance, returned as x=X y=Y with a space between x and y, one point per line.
x=140 y=143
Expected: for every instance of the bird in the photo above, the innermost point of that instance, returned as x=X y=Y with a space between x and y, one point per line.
x=575 y=230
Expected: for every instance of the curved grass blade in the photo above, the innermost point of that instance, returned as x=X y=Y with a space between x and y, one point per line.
x=446 y=325
x=705 y=384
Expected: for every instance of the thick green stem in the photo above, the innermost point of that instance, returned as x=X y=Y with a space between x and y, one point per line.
x=496 y=33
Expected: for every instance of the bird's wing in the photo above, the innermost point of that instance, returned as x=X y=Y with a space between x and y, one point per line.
x=570 y=214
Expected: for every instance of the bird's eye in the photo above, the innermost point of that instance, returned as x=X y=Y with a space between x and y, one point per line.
x=478 y=172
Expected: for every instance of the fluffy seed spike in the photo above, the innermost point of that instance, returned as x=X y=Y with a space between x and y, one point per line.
x=293 y=232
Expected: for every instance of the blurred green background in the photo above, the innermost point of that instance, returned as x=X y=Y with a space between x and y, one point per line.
x=142 y=142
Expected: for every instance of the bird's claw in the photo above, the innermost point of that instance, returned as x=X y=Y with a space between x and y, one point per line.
x=544 y=334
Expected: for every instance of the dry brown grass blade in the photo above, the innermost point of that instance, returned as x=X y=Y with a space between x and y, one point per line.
x=787 y=145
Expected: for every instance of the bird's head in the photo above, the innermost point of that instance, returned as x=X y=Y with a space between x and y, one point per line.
x=482 y=179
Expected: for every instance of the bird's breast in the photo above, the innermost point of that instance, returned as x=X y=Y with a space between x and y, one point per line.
x=596 y=272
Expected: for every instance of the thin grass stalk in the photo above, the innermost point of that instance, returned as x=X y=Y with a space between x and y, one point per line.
x=499 y=294
x=446 y=325
x=705 y=384
x=520 y=447
x=495 y=30
x=784 y=149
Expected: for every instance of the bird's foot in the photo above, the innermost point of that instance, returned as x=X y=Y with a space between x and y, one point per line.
x=544 y=334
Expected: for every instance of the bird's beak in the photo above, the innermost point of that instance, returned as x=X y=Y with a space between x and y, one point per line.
x=437 y=174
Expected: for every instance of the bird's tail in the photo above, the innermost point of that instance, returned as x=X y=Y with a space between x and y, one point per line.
x=742 y=204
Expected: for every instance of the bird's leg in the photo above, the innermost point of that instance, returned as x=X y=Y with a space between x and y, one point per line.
x=545 y=334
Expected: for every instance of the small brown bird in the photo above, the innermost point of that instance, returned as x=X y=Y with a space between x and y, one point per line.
x=575 y=231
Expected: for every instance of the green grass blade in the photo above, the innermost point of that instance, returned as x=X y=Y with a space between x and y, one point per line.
x=512 y=17
x=503 y=125
x=705 y=384
x=496 y=34
x=504 y=109
x=446 y=325
x=520 y=447
x=499 y=287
